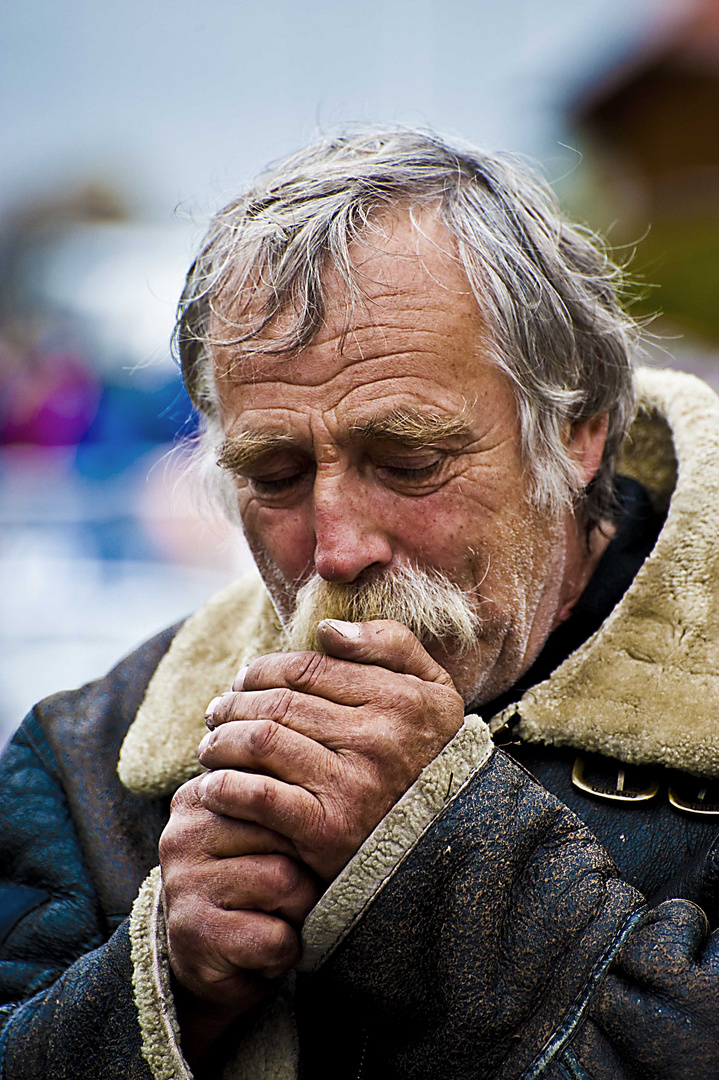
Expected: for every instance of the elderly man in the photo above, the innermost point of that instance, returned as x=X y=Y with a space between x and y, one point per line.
x=454 y=814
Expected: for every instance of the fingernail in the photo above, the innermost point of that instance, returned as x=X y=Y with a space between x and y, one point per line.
x=351 y=630
x=239 y=680
x=211 y=708
x=203 y=785
x=204 y=741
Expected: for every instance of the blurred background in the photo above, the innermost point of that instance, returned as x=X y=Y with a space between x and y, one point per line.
x=123 y=126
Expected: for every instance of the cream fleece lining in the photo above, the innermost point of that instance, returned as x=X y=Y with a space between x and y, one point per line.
x=268 y=1052
x=236 y=625
x=644 y=689
x=151 y=985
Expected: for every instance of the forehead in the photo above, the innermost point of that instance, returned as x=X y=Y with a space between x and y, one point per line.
x=415 y=331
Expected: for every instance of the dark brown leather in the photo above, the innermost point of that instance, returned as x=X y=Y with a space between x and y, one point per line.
x=118 y=831
x=75 y=847
x=506 y=944
x=482 y=953
x=660 y=850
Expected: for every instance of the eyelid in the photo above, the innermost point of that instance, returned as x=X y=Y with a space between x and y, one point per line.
x=277 y=488
x=276 y=462
x=413 y=480
x=412 y=457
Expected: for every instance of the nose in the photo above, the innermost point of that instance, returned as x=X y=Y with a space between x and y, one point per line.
x=349 y=534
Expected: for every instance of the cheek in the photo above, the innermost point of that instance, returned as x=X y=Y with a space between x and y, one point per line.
x=450 y=527
x=286 y=537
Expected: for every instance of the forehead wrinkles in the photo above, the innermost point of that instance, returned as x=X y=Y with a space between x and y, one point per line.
x=397 y=256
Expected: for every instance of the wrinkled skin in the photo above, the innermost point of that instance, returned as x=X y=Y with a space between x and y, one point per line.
x=327 y=744
x=331 y=742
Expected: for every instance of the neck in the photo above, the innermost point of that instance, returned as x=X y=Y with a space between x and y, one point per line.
x=584 y=550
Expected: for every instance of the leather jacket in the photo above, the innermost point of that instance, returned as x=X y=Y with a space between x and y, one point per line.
x=504 y=944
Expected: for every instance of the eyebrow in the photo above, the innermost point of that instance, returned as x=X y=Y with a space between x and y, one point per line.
x=412 y=427
x=244 y=448
x=408 y=426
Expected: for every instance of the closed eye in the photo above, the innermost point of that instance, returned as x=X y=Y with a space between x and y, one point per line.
x=413 y=478
x=282 y=481
x=403 y=473
x=271 y=486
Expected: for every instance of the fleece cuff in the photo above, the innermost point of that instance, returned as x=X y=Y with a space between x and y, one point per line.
x=268 y=1051
x=391 y=842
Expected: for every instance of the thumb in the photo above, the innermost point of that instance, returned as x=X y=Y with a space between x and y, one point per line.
x=382 y=642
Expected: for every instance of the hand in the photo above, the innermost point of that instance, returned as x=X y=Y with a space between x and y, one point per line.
x=235 y=897
x=331 y=741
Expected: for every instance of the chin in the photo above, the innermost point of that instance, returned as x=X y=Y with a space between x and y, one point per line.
x=483 y=674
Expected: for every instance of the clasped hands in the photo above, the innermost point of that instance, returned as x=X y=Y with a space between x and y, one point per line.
x=306 y=758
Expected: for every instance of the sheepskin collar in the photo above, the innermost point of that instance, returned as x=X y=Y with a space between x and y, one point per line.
x=643 y=689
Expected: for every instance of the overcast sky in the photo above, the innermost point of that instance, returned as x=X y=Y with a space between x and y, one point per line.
x=179 y=102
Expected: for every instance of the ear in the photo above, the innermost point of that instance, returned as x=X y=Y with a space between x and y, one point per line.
x=586 y=445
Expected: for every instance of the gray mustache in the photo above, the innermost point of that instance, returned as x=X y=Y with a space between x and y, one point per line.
x=424 y=600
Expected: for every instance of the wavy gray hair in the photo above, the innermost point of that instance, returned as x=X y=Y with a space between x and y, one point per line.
x=547 y=289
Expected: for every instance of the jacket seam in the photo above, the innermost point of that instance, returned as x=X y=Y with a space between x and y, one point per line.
x=577 y=1012
x=40 y=746
x=572 y=1066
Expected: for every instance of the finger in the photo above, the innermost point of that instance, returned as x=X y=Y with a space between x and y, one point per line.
x=210 y=944
x=384 y=643
x=314 y=673
x=343 y=681
x=271 y=883
x=203 y=834
x=263 y=745
x=288 y=809
x=324 y=721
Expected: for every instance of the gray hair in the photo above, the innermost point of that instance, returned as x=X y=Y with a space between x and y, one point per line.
x=547 y=290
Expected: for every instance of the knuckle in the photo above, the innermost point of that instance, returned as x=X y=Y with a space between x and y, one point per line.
x=168 y=845
x=321 y=821
x=280 y=942
x=283 y=703
x=260 y=792
x=307 y=669
x=187 y=797
x=284 y=877
x=261 y=737
x=411 y=699
x=417 y=695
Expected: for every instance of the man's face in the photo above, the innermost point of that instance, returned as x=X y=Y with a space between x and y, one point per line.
x=397 y=446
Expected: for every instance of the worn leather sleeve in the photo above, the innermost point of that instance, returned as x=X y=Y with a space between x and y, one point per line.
x=656 y=1015
x=67 y=1003
x=506 y=945
x=74 y=848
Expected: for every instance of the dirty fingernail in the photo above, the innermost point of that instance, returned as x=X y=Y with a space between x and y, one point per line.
x=239 y=679
x=211 y=708
x=351 y=630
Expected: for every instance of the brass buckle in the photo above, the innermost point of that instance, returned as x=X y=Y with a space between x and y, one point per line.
x=620 y=794
x=696 y=805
